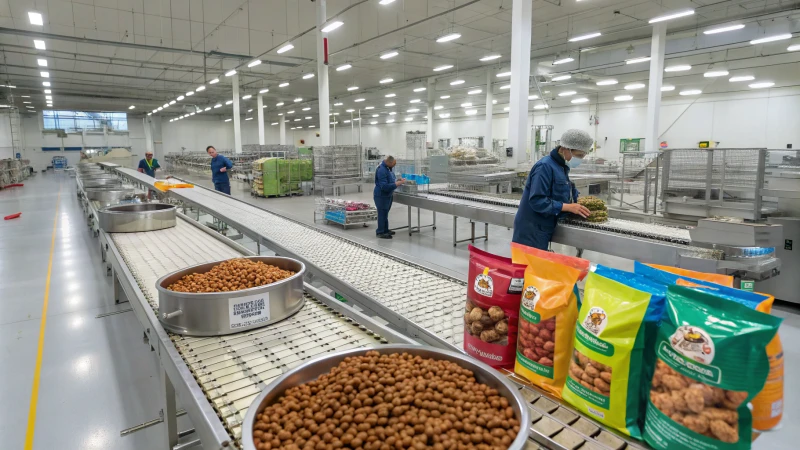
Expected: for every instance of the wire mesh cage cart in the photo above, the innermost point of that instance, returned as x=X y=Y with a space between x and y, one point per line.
x=336 y=167
x=344 y=212
x=714 y=182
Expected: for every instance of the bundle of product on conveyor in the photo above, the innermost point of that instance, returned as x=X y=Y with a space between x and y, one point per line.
x=596 y=206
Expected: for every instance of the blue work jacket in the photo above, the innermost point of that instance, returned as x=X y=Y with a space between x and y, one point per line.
x=384 y=186
x=547 y=188
x=217 y=163
x=149 y=169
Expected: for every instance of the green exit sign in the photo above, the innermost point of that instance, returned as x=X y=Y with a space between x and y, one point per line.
x=747 y=285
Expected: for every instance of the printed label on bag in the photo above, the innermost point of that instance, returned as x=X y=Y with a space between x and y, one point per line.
x=246 y=311
x=515 y=286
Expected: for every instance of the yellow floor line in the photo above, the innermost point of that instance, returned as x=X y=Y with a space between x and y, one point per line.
x=38 y=370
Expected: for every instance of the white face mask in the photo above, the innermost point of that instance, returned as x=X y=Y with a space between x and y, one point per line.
x=574 y=162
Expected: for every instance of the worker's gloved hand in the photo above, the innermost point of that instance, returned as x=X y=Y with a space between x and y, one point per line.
x=576 y=209
x=400 y=182
x=224 y=169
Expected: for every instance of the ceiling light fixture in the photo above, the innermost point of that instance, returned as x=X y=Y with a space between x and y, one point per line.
x=230 y=73
x=284 y=84
x=290 y=112
x=190 y=93
x=678 y=68
x=448 y=37
x=466 y=105
x=208 y=108
x=306 y=109
x=691 y=92
x=414 y=100
x=637 y=60
x=438 y=107
x=456 y=82
x=47 y=91
x=39 y=44
x=42 y=62
x=474 y=91
x=724 y=29
x=444 y=97
x=46 y=83
x=505 y=86
x=420 y=89
x=173 y=102
x=580 y=100
x=563 y=61
x=343 y=67
x=441 y=68
x=444 y=115
x=228 y=120
x=390 y=95
x=667 y=88
x=562 y=77
x=263 y=91
x=35 y=18
x=45 y=74
x=676 y=15
x=504 y=74
x=332 y=26
x=533 y=97
x=716 y=73
x=471 y=112
x=566 y=93
x=388 y=55
x=218 y=105
x=392 y=113
x=214 y=81
x=778 y=37
x=229 y=102
x=386 y=80
x=634 y=86
x=623 y=98
x=761 y=84
x=308 y=76
x=254 y=63
x=298 y=100
x=246 y=97
x=279 y=104
x=352 y=88
x=358 y=100
x=180 y=97
x=793 y=48
x=412 y=110
x=285 y=48
x=369 y=107
x=585 y=36
x=742 y=78
x=490 y=57
x=542 y=106
x=389 y=105
x=335 y=104
x=607 y=82
x=200 y=89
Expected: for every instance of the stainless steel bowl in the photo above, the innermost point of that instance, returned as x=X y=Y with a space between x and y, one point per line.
x=137 y=217
x=312 y=369
x=109 y=195
x=219 y=313
x=91 y=184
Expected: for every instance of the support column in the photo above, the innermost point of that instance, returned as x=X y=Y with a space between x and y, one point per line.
x=431 y=101
x=651 y=143
x=260 y=106
x=282 y=127
x=521 y=23
x=487 y=134
x=237 y=128
x=322 y=77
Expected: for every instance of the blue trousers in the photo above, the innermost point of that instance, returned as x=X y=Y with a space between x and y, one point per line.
x=383 y=205
x=224 y=187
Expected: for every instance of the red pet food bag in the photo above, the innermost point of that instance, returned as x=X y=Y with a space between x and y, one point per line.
x=492 y=310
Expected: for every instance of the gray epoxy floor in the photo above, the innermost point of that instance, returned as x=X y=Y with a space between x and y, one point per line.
x=97 y=375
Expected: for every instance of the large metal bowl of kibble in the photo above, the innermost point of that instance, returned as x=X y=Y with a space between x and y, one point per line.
x=315 y=368
x=231 y=311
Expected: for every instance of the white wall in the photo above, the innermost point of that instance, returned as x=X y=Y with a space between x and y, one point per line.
x=766 y=118
x=6 y=144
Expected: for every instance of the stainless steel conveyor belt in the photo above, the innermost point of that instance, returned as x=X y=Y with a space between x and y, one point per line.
x=231 y=370
x=418 y=301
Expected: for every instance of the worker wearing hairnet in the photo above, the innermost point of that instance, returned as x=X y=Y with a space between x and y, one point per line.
x=549 y=194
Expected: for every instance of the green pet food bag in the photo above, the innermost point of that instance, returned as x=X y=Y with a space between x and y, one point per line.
x=711 y=360
x=605 y=372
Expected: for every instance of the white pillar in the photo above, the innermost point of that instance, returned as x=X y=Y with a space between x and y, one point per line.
x=282 y=127
x=521 y=23
x=431 y=101
x=237 y=129
x=487 y=134
x=322 y=78
x=657 y=45
x=260 y=106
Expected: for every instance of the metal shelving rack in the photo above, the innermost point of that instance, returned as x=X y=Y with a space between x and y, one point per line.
x=337 y=166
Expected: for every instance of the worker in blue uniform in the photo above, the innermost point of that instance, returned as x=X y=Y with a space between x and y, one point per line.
x=548 y=194
x=148 y=165
x=220 y=165
x=385 y=184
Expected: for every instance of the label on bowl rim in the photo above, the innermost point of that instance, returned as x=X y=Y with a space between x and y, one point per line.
x=248 y=310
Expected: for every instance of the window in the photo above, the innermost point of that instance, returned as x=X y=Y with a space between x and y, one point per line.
x=75 y=121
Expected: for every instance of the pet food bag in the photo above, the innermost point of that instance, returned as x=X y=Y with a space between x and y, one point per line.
x=717 y=278
x=492 y=309
x=518 y=251
x=711 y=360
x=604 y=378
x=547 y=317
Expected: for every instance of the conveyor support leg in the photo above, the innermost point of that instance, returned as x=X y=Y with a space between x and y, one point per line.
x=169 y=411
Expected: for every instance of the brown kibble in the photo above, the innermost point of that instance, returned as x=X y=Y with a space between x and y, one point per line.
x=496 y=313
x=230 y=275
x=476 y=328
x=475 y=314
x=389 y=402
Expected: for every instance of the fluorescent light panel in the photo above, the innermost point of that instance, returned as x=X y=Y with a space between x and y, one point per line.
x=778 y=37
x=448 y=37
x=678 y=68
x=585 y=36
x=607 y=82
x=388 y=55
x=724 y=29
x=35 y=18
x=285 y=48
x=254 y=63
x=42 y=62
x=441 y=68
x=39 y=44
x=332 y=26
x=676 y=15
x=490 y=57
x=562 y=77
x=637 y=60
x=563 y=61
x=742 y=78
